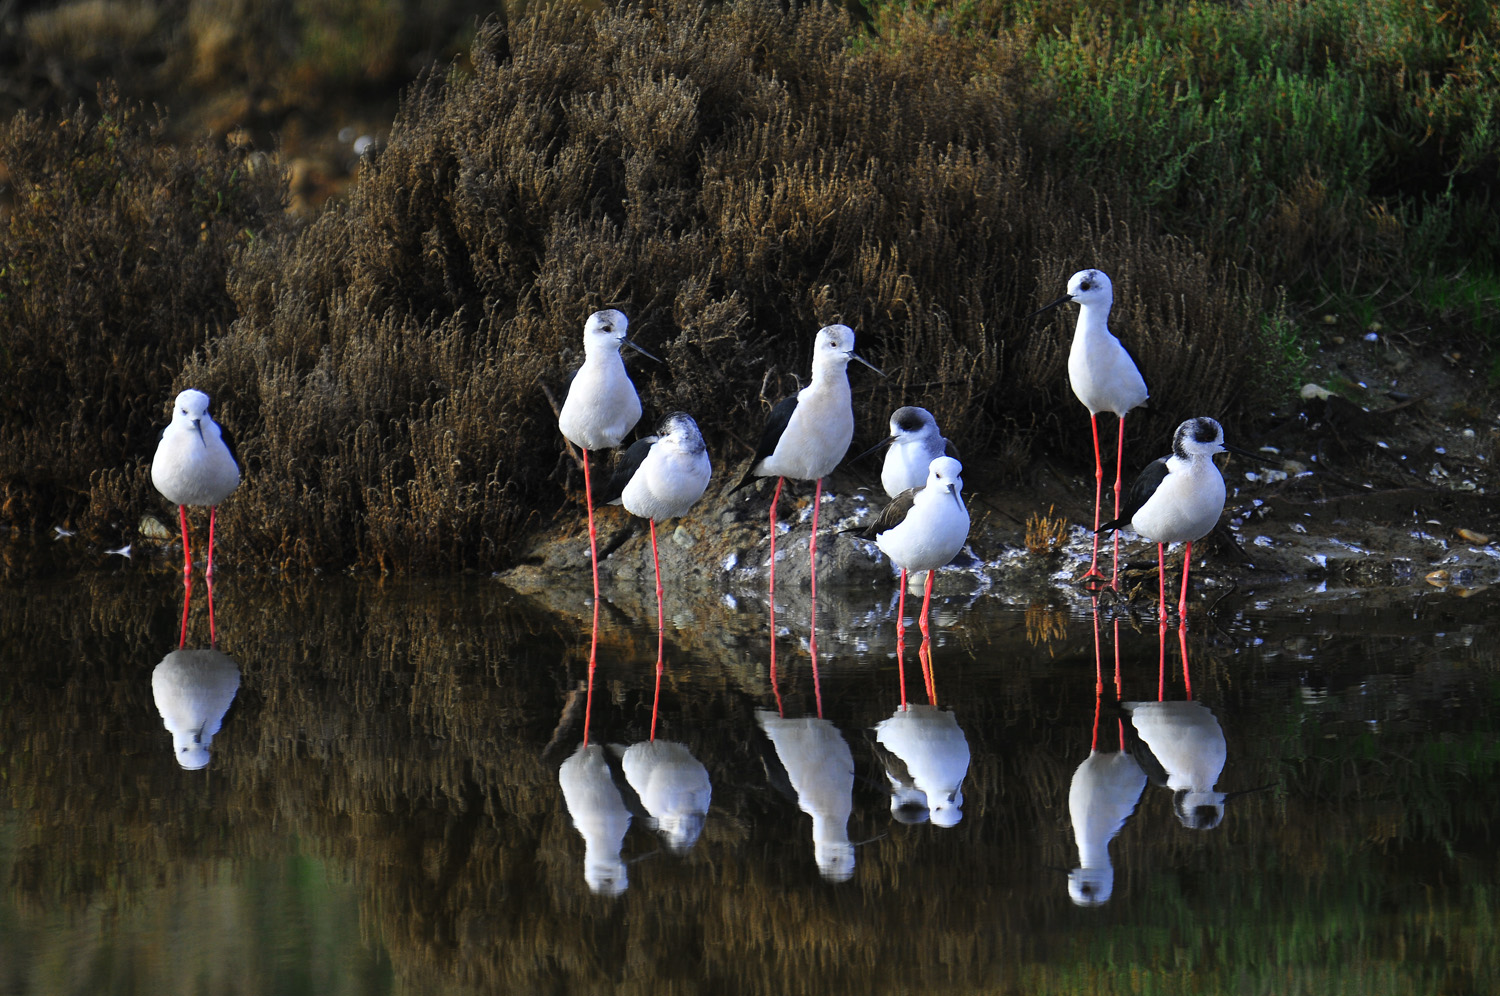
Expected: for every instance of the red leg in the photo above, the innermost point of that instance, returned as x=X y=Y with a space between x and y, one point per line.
x=208 y=571
x=775 y=497
x=812 y=558
x=588 y=499
x=901 y=637
x=1187 y=682
x=1161 y=661
x=925 y=651
x=187 y=599
x=187 y=556
x=1187 y=560
x=1098 y=496
x=1114 y=574
x=1161 y=583
x=213 y=636
x=661 y=631
x=1098 y=677
x=588 y=701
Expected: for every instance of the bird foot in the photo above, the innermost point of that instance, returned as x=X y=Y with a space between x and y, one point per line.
x=1092 y=580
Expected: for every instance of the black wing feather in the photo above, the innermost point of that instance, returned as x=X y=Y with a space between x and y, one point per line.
x=625 y=468
x=890 y=517
x=228 y=438
x=1141 y=490
x=775 y=425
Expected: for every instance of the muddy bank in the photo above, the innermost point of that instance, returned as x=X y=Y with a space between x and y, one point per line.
x=1387 y=481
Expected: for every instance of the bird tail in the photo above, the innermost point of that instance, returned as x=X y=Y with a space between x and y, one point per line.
x=1110 y=526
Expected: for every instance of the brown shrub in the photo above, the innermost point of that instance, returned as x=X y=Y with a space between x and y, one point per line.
x=732 y=177
x=112 y=273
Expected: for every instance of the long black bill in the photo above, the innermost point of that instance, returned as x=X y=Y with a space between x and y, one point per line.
x=856 y=356
x=1048 y=307
x=888 y=440
x=638 y=349
x=1254 y=457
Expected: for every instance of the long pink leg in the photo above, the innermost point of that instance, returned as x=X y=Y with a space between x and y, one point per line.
x=1161 y=583
x=1187 y=560
x=775 y=497
x=208 y=571
x=901 y=637
x=1161 y=660
x=213 y=636
x=1114 y=574
x=588 y=499
x=1093 y=571
x=187 y=556
x=812 y=557
x=588 y=701
x=187 y=600
x=661 y=631
x=925 y=651
x=1187 y=681
x=1098 y=678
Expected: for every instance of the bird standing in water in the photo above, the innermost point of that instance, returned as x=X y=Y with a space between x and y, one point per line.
x=195 y=465
x=601 y=406
x=1104 y=377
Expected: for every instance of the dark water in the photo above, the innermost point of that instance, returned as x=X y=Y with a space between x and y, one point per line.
x=386 y=803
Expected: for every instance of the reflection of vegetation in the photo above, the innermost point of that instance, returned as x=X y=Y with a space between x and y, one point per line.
x=395 y=733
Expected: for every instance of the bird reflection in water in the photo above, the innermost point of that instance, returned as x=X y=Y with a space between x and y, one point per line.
x=1180 y=745
x=926 y=758
x=673 y=789
x=1103 y=794
x=819 y=769
x=924 y=752
x=193 y=690
x=599 y=815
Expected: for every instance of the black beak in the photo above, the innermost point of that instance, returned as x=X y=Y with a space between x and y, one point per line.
x=1253 y=457
x=1048 y=307
x=198 y=424
x=638 y=349
x=888 y=440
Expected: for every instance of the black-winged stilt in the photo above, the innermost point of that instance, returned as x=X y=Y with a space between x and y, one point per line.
x=923 y=529
x=1104 y=377
x=660 y=477
x=1181 y=746
x=673 y=787
x=819 y=767
x=193 y=690
x=1178 y=499
x=805 y=438
x=914 y=443
x=195 y=465
x=935 y=753
x=601 y=406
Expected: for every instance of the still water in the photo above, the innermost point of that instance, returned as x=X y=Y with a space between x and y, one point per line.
x=373 y=787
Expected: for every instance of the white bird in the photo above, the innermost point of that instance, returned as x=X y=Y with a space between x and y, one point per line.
x=1104 y=792
x=599 y=815
x=1104 y=377
x=601 y=406
x=923 y=528
x=1178 y=498
x=673 y=787
x=914 y=443
x=193 y=690
x=1180 y=745
x=807 y=434
x=935 y=752
x=820 y=768
x=195 y=465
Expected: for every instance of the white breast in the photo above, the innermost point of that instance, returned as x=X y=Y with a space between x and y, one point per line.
x=1103 y=375
x=1186 y=506
x=817 y=435
x=190 y=469
x=601 y=406
x=667 y=483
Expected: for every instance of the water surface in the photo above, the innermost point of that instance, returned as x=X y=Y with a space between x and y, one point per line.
x=398 y=796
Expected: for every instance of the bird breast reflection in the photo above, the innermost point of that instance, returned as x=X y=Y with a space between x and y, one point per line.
x=1103 y=794
x=599 y=815
x=820 y=768
x=926 y=758
x=1180 y=745
x=193 y=690
x=673 y=788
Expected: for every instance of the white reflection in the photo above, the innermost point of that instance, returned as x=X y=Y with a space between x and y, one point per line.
x=1103 y=794
x=599 y=815
x=933 y=757
x=673 y=788
x=1184 y=750
x=193 y=690
x=820 y=767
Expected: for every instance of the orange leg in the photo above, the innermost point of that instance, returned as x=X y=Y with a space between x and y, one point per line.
x=775 y=497
x=1093 y=571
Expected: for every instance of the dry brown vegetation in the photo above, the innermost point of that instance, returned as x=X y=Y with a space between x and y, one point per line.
x=732 y=177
